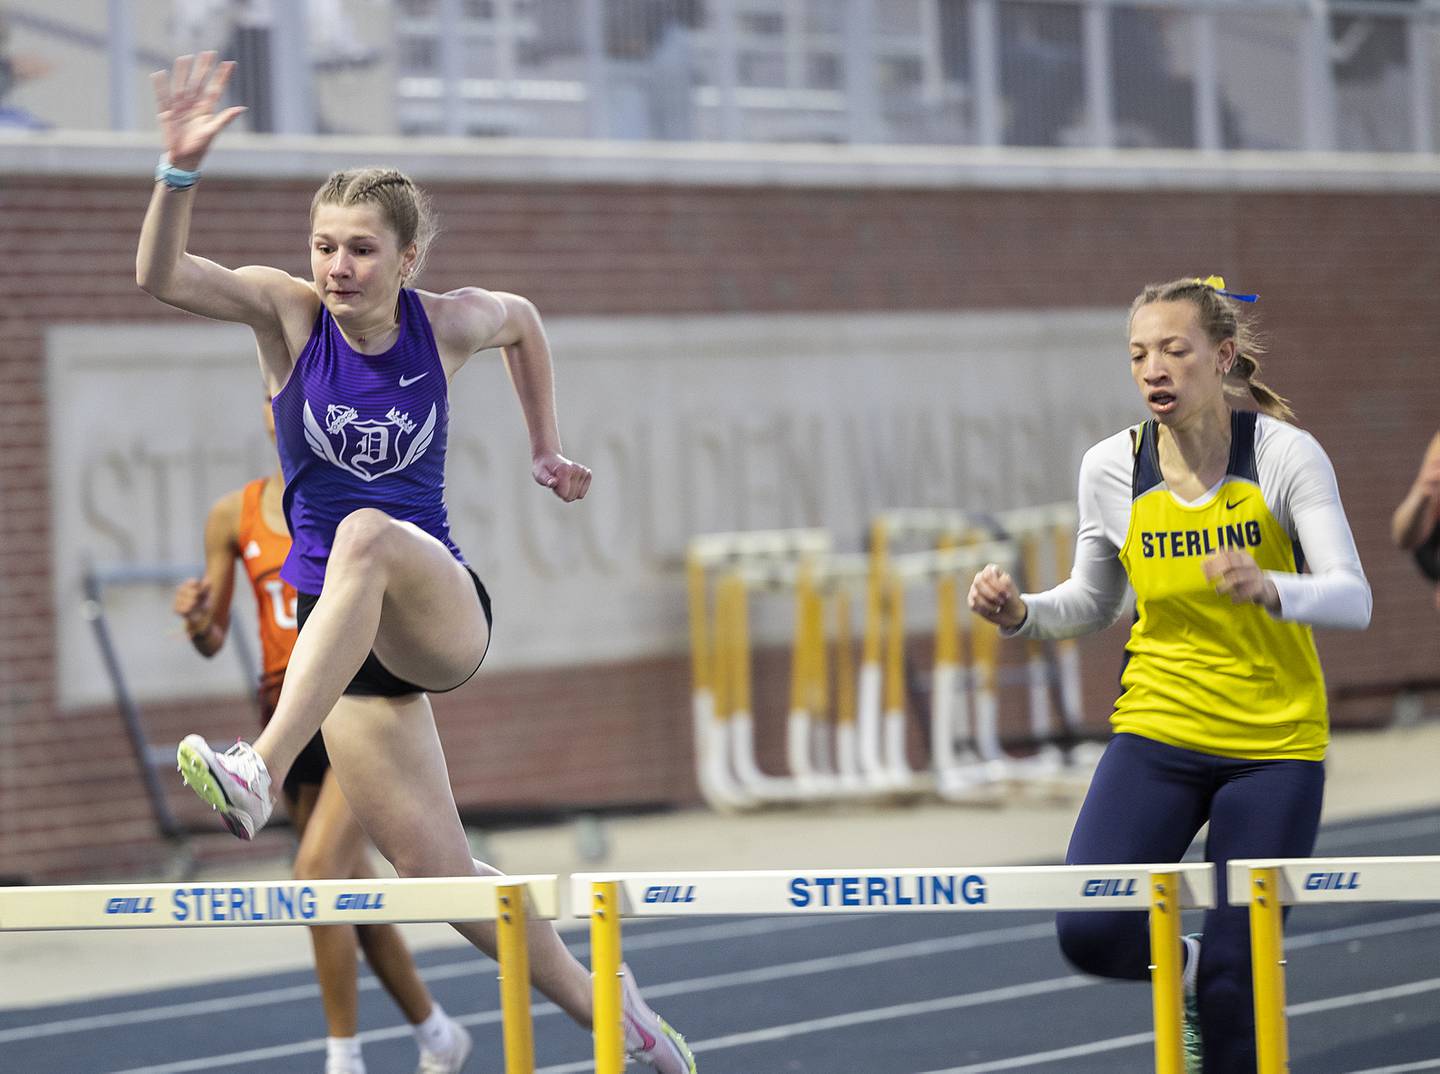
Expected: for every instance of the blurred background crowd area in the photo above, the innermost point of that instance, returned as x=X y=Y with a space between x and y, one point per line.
x=1349 y=75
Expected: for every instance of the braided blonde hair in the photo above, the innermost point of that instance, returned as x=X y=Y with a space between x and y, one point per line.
x=405 y=207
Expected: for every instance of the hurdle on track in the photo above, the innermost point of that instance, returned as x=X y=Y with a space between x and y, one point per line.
x=509 y=901
x=728 y=564
x=882 y=716
x=1046 y=535
x=1163 y=890
x=836 y=746
x=965 y=748
x=1034 y=544
x=820 y=754
x=1268 y=885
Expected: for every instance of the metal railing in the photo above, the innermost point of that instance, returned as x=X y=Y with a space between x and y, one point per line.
x=1297 y=74
x=1320 y=75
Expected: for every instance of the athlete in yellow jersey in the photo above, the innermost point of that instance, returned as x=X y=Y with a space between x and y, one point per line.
x=248 y=526
x=1211 y=513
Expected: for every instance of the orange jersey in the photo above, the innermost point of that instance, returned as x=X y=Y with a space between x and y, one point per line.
x=263 y=551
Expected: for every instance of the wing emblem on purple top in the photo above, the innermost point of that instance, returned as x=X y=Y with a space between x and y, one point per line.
x=369 y=448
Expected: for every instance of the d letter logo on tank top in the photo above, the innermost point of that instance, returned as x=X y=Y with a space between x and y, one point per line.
x=368 y=448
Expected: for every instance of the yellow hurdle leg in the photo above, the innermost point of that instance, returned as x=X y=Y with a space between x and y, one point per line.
x=605 y=968
x=1267 y=956
x=1167 y=972
x=514 y=955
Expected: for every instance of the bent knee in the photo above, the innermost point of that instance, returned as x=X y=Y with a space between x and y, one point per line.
x=1078 y=943
x=328 y=859
x=321 y=866
x=1099 y=944
x=1226 y=973
x=365 y=534
x=410 y=866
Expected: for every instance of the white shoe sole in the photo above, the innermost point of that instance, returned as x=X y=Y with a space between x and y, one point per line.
x=198 y=775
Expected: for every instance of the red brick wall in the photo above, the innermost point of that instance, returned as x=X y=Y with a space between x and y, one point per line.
x=1347 y=283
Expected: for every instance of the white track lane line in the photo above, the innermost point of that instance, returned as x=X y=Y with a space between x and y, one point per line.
x=1298 y=1010
x=1380 y=831
x=1375 y=995
x=1114 y=1044
x=473 y=964
x=876 y=1014
x=871 y=957
x=1019 y=1062
x=736 y=979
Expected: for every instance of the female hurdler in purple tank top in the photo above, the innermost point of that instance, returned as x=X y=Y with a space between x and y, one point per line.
x=358 y=430
x=358 y=363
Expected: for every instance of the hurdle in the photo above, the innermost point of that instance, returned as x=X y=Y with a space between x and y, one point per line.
x=1046 y=536
x=1268 y=885
x=1034 y=544
x=1162 y=890
x=823 y=757
x=509 y=901
x=965 y=749
x=882 y=717
x=726 y=768
x=820 y=754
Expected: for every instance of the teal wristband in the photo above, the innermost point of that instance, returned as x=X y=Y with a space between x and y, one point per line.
x=173 y=177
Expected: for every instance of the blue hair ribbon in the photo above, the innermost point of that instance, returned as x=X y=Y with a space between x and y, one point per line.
x=1217 y=284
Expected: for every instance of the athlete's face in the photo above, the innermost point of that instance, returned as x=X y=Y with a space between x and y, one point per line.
x=1176 y=366
x=357 y=260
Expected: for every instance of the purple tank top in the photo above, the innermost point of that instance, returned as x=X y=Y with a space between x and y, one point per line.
x=362 y=430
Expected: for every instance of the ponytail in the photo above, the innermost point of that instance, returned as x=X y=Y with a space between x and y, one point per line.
x=1241 y=380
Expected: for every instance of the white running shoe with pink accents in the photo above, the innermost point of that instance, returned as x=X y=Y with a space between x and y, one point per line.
x=649 y=1039
x=234 y=783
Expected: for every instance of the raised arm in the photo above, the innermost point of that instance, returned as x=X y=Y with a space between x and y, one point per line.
x=186 y=97
x=1419 y=512
x=204 y=603
x=473 y=320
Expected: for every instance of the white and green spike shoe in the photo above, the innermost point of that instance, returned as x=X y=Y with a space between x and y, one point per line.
x=234 y=783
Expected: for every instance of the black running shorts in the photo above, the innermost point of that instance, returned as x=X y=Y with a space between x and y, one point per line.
x=374 y=679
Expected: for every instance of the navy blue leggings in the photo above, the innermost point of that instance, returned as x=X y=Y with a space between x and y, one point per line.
x=1146 y=804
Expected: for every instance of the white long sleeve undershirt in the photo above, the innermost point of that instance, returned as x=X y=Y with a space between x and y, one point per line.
x=1298 y=484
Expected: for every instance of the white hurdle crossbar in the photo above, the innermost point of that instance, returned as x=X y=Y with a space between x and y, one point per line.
x=268 y=902
x=1268 y=885
x=507 y=900
x=1162 y=890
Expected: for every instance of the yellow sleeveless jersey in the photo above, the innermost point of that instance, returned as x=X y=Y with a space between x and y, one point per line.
x=1202 y=672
